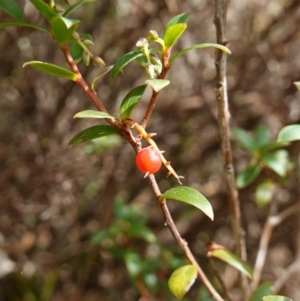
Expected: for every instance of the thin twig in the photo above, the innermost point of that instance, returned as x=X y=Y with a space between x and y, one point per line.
x=182 y=243
x=224 y=132
x=265 y=238
x=153 y=98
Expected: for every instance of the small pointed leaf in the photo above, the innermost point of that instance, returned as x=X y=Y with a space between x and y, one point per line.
x=63 y=29
x=248 y=175
x=131 y=100
x=93 y=132
x=182 y=279
x=289 y=133
x=204 y=45
x=123 y=61
x=263 y=289
x=264 y=193
x=12 y=8
x=182 y=18
x=245 y=140
x=276 y=298
x=233 y=260
x=45 y=9
x=157 y=84
x=92 y=114
x=277 y=161
x=173 y=33
x=190 y=196
x=52 y=70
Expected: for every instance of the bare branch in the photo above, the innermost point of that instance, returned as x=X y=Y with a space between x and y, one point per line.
x=224 y=132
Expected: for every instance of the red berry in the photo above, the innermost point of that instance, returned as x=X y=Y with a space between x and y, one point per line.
x=148 y=160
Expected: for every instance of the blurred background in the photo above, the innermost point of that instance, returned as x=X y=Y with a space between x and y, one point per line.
x=80 y=222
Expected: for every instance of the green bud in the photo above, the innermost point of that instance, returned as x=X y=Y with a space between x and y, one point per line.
x=150 y=70
x=141 y=44
x=86 y=58
x=98 y=61
x=153 y=35
x=88 y=43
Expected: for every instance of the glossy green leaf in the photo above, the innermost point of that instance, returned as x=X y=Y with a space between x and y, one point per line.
x=21 y=24
x=52 y=70
x=45 y=9
x=12 y=8
x=182 y=18
x=123 y=61
x=233 y=260
x=264 y=193
x=133 y=263
x=264 y=289
x=289 y=133
x=157 y=84
x=198 y=46
x=245 y=140
x=297 y=84
x=93 y=132
x=63 y=29
x=277 y=161
x=131 y=100
x=173 y=33
x=182 y=279
x=272 y=146
x=248 y=175
x=92 y=114
x=190 y=196
x=276 y=298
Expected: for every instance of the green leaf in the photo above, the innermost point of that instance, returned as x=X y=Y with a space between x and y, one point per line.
x=173 y=33
x=264 y=193
x=46 y=11
x=261 y=136
x=204 y=45
x=245 y=140
x=297 y=84
x=12 y=8
x=157 y=84
x=289 y=133
x=182 y=18
x=263 y=289
x=131 y=100
x=21 y=24
x=276 y=298
x=182 y=279
x=63 y=29
x=123 y=61
x=190 y=196
x=76 y=5
x=52 y=70
x=233 y=260
x=277 y=161
x=76 y=51
x=133 y=263
x=92 y=114
x=272 y=146
x=142 y=232
x=93 y=132
x=248 y=175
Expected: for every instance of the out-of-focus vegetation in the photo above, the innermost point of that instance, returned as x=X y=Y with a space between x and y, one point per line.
x=66 y=212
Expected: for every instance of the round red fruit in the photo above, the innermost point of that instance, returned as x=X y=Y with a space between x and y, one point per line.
x=148 y=160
